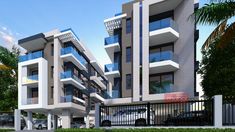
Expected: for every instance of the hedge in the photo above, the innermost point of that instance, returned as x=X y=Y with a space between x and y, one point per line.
x=7 y=130
x=147 y=130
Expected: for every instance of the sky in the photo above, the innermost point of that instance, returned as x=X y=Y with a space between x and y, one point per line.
x=19 y=19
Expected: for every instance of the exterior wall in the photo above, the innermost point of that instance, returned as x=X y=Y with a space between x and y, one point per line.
x=42 y=84
x=184 y=48
x=57 y=70
x=50 y=60
x=126 y=42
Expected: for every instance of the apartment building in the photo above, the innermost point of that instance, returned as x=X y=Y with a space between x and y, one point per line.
x=152 y=47
x=59 y=77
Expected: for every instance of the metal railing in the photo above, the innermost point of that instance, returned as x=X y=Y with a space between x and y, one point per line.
x=71 y=50
x=111 y=40
x=180 y=113
x=163 y=23
x=111 y=67
x=162 y=56
x=31 y=56
x=228 y=109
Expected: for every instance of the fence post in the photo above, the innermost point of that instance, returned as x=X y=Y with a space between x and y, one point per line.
x=97 y=115
x=17 y=120
x=148 y=114
x=218 y=103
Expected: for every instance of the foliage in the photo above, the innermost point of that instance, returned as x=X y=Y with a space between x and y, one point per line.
x=6 y=130
x=217 y=12
x=147 y=130
x=8 y=78
x=218 y=69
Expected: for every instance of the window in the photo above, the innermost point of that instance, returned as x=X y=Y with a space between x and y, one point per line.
x=52 y=49
x=52 y=71
x=128 y=25
x=52 y=92
x=128 y=81
x=161 y=83
x=128 y=54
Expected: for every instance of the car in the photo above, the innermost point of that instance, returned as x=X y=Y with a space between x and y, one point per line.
x=78 y=125
x=41 y=124
x=8 y=121
x=192 y=118
x=131 y=116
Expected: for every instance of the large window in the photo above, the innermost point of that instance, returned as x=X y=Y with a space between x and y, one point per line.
x=116 y=91
x=128 y=54
x=128 y=81
x=161 y=53
x=161 y=83
x=128 y=25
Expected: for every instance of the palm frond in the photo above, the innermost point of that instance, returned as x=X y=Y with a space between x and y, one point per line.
x=228 y=36
x=219 y=30
x=3 y=67
x=215 y=13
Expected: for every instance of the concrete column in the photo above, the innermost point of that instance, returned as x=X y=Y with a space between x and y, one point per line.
x=218 y=102
x=87 y=121
x=136 y=52
x=55 y=122
x=66 y=119
x=17 y=121
x=29 y=120
x=97 y=115
x=49 y=120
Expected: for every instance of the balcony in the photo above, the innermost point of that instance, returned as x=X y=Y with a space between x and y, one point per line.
x=30 y=80
x=31 y=101
x=114 y=23
x=163 y=31
x=31 y=56
x=112 y=45
x=69 y=54
x=68 y=77
x=72 y=99
x=115 y=94
x=98 y=81
x=99 y=96
x=163 y=62
x=112 y=70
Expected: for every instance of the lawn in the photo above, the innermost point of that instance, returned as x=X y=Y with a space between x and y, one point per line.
x=147 y=130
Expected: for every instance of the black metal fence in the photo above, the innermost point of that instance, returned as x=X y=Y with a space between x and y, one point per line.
x=181 y=113
x=228 y=111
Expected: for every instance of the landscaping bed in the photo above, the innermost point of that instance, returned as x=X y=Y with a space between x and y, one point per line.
x=148 y=130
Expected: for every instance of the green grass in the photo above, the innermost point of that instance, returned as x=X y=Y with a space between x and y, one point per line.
x=7 y=130
x=147 y=130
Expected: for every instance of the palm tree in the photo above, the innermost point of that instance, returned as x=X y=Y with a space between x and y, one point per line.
x=217 y=12
x=8 y=78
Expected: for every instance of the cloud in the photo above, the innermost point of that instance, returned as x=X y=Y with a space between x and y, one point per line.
x=8 y=38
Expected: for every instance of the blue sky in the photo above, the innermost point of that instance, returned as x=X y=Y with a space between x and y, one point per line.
x=20 y=19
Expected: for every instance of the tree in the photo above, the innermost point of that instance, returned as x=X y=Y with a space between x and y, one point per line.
x=8 y=78
x=218 y=70
x=217 y=12
x=218 y=63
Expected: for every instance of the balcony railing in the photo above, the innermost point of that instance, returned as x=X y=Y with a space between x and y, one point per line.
x=30 y=79
x=164 y=87
x=115 y=94
x=111 y=40
x=71 y=50
x=31 y=56
x=70 y=98
x=32 y=101
x=162 y=56
x=70 y=74
x=111 y=67
x=164 y=23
